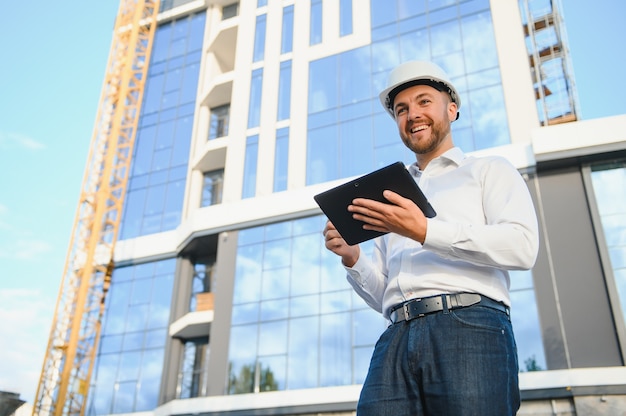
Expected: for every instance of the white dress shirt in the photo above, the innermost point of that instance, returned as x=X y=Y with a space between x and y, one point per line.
x=485 y=225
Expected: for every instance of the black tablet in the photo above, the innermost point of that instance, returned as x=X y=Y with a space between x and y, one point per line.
x=395 y=177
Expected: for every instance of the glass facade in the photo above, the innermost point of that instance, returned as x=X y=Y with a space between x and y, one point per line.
x=296 y=323
x=159 y=169
x=341 y=103
x=293 y=307
x=609 y=183
x=525 y=319
x=343 y=88
x=127 y=371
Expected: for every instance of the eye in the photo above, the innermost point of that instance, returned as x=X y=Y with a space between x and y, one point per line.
x=400 y=111
x=425 y=101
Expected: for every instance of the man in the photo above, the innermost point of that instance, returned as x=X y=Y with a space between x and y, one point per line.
x=442 y=281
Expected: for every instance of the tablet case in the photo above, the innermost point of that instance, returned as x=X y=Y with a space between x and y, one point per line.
x=395 y=177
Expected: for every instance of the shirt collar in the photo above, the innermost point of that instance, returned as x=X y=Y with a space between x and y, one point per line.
x=454 y=155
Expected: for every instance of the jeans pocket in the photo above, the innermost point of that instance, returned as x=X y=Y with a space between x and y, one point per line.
x=480 y=317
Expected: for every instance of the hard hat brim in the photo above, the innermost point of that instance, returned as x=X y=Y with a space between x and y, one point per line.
x=388 y=94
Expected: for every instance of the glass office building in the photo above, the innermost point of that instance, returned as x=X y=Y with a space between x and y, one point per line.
x=224 y=300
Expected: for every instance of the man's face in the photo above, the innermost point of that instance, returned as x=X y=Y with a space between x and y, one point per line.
x=423 y=115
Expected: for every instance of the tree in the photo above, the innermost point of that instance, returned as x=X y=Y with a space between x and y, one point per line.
x=246 y=381
x=531 y=364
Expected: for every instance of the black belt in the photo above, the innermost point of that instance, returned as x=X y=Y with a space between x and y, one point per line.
x=416 y=308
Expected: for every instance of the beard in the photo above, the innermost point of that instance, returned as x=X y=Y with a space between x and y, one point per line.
x=439 y=131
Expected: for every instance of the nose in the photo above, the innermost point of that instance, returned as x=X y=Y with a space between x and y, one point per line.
x=414 y=112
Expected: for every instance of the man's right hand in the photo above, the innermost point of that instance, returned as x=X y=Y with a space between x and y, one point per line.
x=335 y=243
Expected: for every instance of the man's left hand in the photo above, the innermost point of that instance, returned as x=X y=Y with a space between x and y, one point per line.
x=401 y=216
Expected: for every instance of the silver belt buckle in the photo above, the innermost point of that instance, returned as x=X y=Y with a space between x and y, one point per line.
x=405 y=309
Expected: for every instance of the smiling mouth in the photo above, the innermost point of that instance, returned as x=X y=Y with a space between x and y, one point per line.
x=419 y=128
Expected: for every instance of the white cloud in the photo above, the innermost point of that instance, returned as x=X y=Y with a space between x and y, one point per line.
x=27 y=316
x=8 y=140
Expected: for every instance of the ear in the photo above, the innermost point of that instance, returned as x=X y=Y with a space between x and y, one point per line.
x=453 y=111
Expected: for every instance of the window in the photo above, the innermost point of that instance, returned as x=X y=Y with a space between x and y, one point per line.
x=127 y=371
x=281 y=159
x=286 y=44
x=230 y=11
x=154 y=199
x=343 y=88
x=525 y=319
x=170 y=4
x=250 y=167
x=212 y=188
x=259 y=38
x=202 y=284
x=220 y=117
x=256 y=86
x=294 y=324
x=609 y=182
x=345 y=17
x=340 y=103
x=284 y=91
x=194 y=375
x=315 y=34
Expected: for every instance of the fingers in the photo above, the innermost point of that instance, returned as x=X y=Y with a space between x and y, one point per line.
x=332 y=238
x=328 y=228
x=395 y=198
x=330 y=232
x=392 y=197
x=335 y=243
x=369 y=211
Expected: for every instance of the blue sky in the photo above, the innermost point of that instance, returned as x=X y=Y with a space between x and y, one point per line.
x=53 y=60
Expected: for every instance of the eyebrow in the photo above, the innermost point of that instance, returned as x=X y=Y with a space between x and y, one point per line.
x=417 y=98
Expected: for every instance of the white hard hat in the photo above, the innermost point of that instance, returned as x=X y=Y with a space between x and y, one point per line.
x=416 y=73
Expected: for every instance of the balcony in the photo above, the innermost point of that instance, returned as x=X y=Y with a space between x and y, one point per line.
x=197 y=323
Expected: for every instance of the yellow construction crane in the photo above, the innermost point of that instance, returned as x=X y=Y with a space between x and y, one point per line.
x=74 y=336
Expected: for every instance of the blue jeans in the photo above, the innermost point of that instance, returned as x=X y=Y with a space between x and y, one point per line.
x=456 y=362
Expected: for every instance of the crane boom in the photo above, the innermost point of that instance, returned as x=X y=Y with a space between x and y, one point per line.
x=75 y=332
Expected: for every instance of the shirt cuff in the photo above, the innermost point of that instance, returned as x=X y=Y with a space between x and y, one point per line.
x=440 y=237
x=359 y=271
